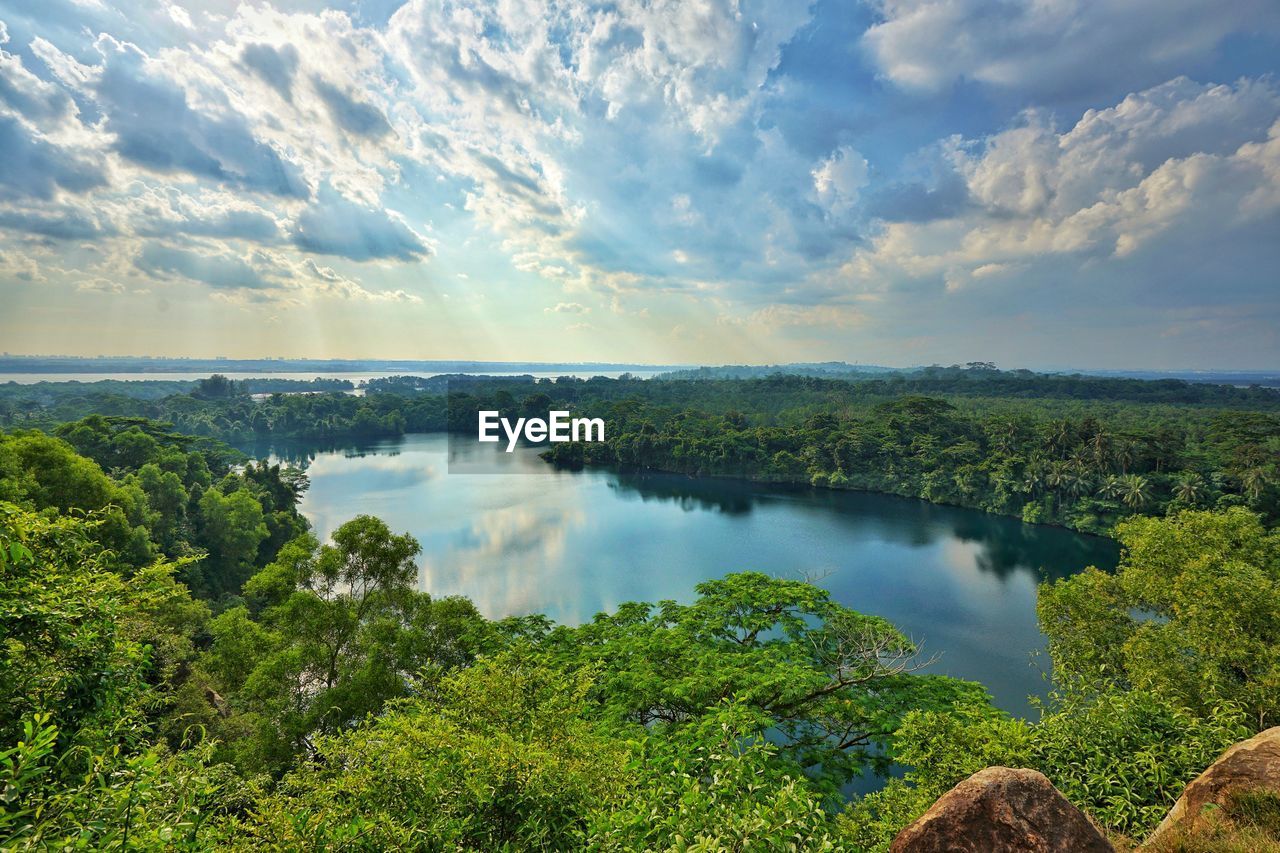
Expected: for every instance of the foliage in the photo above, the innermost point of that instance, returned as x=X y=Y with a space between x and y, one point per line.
x=1122 y=757
x=154 y=492
x=339 y=632
x=832 y=684
x=87 y=659
x=330 y=703
x=65 y=653
x=1079 y=451
x=506 y=755
x=1158 y=669
x=1192 y=614
x=495 y=757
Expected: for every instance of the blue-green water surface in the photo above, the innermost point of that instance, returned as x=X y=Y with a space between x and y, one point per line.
x=533 y=539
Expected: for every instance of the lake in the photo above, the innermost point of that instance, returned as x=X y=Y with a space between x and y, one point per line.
x=533 y=539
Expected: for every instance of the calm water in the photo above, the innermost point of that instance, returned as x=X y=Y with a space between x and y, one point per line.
x=571 y=544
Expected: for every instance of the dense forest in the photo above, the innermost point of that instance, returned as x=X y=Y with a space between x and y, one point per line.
x=328 y=703
x=1081 y=452
x=186 y=666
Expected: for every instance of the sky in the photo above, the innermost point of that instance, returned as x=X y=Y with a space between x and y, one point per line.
x=1049 y=183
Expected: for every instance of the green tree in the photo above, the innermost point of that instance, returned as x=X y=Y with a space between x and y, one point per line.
x=1135 y=491
x=47 y=473
x=831 y=683
x=232 y=526
x=87 y=659
x=508 y=755
x=1191 y=488
x=340 y=631
x=1192 y=614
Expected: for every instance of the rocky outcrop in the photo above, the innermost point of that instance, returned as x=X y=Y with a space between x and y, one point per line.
x=219 y=704
x=1001 y=810
x=1249 y=765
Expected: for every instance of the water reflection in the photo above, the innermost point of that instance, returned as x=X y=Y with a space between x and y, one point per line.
x=572 y=544
x=1005 y=545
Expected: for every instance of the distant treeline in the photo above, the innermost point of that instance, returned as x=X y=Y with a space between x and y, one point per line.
x=1078 y=451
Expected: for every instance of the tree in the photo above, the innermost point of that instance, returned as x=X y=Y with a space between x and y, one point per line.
x=508 y=755
x=88 y=656
x=168 y=503
x=1135 y=491
x=1190 y=488
x=232 y=527
x=47 y=473
x=1192 y=614
x=1123 y=757
x=340 y=631
x=831 y=683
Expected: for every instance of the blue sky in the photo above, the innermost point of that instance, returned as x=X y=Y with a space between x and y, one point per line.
x=1048 y=183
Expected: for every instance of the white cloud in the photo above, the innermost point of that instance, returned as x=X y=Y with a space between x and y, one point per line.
x=567 y=308
x=1180 y=162
x=336 y=226
x=838 y=179
x=1061 y=46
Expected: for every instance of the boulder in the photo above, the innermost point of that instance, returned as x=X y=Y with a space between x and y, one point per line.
x=219 y=704
x=1002 y=810
x=1250 y=764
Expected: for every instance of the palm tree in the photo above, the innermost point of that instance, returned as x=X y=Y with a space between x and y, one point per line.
x=1059 y=433
x=1125 y=453
x=1190 y=488
x=1078 y=480
x=1110 y=487
x=1135 y=491
x=1058 y=476
x=1101 y=446
x=1004 y=435
x=1032 y=480
x=1254 y=482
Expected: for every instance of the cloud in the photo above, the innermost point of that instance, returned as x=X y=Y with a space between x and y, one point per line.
x=40 y=137
x=154 y=126
x=101 y=285
x=700 y=159
x=1053 y=48
x=277 y=66
x=350 y=113
x=336 y=226
x=19 y=267
x=39 y=101
x=218 y=271
x=157 y=212
x=66 y=223
x=838 y=179
x=576 y=126
x=32 y=167
x=1168 y=190
x=327 y=282
x=567 y=308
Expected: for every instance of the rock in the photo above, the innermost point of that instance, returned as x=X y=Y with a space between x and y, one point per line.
x=1250 y=764
x=1001 y=810
x=219 y=704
